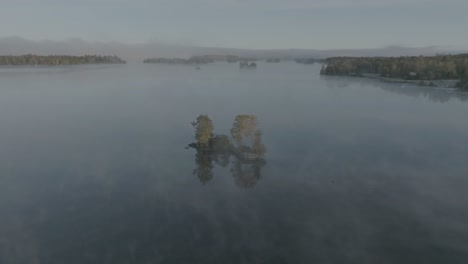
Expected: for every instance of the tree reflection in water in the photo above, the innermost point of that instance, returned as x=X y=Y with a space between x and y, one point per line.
x=245 y=157
x=247 y=174
x=204 y=170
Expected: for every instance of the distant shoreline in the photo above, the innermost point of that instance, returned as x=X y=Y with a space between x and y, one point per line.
x=448 y=83
x=445 y=71
x=58 y=60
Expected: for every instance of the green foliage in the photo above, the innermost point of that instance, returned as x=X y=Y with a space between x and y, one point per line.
x=221 y=144
x=409 y=68
x=246 y=135
x=58 y=60
x=243 y=129
x=203 y=131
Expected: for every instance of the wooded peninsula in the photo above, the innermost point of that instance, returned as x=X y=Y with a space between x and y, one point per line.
x=421 y=68
x=52 y=60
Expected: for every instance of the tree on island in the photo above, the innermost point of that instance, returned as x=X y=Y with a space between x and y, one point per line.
x=248 y=152
x=243 y=129
x=221 y=144
x=203 y=131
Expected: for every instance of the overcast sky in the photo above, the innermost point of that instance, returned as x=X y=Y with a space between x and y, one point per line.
x=254 y=24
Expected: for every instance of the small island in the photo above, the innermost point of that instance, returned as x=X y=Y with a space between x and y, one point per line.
x=247 y=138
x=236 y=59
x=440 y=70
x=53 y=60
x=204 y=59
x=244 y=150
x=190 y=61
x=247 y=65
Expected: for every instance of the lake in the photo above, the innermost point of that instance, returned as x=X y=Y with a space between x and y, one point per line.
x=94 y=169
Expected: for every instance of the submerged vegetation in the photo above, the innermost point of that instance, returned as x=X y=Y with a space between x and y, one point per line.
x=440 y=67
x=59 y=60
x=246 y=147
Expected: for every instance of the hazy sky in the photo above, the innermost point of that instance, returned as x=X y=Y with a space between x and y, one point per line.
x=321 y=24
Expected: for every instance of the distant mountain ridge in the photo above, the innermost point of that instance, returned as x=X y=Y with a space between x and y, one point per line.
x=138 y=52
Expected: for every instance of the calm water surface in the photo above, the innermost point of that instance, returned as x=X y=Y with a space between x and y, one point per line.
x=93 y=168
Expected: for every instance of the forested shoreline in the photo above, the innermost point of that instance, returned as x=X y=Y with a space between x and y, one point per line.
x=424 y=68
x=52 y=60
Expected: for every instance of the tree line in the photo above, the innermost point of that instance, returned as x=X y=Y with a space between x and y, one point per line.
x=51 y=60
x=440 y=67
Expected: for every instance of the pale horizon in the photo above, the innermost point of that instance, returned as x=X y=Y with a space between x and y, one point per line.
x=157 y=42
x=255 y=25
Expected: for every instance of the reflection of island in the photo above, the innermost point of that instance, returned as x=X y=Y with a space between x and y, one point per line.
x=245 y=173
x=433 y=94
x=247 y=150
x=204 y=167
x=436 y=95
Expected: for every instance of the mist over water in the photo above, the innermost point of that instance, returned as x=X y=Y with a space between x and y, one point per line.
x=93 y=168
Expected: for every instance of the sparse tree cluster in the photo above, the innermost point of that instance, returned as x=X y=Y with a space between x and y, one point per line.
x=248 y=150
x=245 y=134
x=243 y=129
x=438 y=67
x=59 y=60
